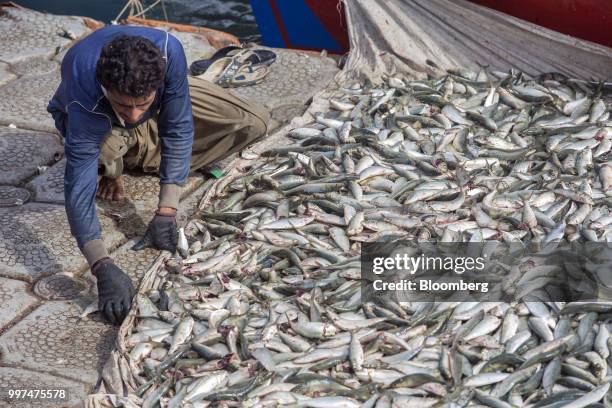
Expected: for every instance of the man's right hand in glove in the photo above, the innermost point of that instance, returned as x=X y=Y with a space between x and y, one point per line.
x=115 y=290
x=161 y=233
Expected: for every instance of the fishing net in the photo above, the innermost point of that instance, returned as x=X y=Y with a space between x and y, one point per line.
x=415 y=36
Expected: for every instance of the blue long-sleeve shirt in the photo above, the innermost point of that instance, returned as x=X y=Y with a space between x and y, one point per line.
x=84 y=117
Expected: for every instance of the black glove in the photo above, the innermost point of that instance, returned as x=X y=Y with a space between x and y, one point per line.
x=161 y=234
x=115 y=290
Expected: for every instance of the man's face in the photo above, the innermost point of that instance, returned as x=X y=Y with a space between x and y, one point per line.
x=128 y=108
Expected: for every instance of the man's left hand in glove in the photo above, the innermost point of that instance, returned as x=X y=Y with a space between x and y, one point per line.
x=115 y=290
x=161 y=233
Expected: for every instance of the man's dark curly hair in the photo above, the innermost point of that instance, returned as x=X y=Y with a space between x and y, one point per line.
x=131 y=65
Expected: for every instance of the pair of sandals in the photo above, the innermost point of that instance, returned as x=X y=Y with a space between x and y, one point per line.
x=234 y=66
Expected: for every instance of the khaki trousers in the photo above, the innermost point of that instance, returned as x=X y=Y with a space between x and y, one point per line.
x=224 y=124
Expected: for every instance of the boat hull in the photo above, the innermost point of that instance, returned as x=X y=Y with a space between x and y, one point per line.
x=320 y=24
x=585 y=19
x=302 y=24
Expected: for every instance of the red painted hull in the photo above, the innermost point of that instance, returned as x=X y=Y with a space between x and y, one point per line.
x=333 y=19
x=282 y=21
x=589 y=20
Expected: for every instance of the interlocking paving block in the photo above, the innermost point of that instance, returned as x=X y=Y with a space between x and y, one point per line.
x=27 y=33
x=14 y=298
x=285 y=113
x=293 y=79
x=35 y=241
x=54 y=338
x=61 y=287
x=22 y=151
x=5 y=73
x=145 y=186
x=13 y=196
x=133 y=215
x=130 y=217
x=20 y=379
x=24 y=101
x=49 y=186
x=35 y=66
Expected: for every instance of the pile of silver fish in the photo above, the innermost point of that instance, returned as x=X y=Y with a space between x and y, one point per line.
x=264 y=308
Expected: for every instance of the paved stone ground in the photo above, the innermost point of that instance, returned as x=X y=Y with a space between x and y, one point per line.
x=293 y=79
x=44 y=281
